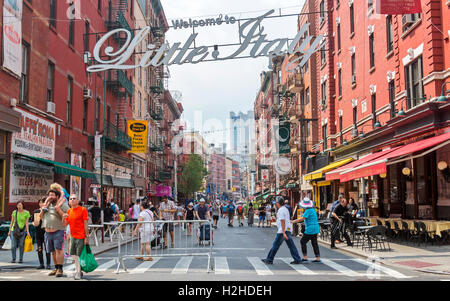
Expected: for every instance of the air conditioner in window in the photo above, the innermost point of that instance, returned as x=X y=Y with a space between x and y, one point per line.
x=51 y=107
x=87 y=93
x=353 y=79
x=408 y=19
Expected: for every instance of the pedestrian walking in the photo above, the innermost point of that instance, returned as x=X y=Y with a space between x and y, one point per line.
x=261 y=215
x=51 y=214
x=19 y=230
x=312 y=228
x=268 y=214
x=166 y=212
x=231 y=209
x=180 y=214
x=108 y=216
x=146 y=231
x=95 y=213
x=250 y=215
x=224 y=210
x=240 y=214
x=189 y=216
x=215 y=213
x=283 y=234
x=40 y=232
x=338 y=225
x=77 y=219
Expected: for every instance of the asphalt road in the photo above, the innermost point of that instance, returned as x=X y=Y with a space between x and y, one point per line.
x=236 y=255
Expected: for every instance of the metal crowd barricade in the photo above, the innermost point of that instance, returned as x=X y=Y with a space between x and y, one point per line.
x=129 y=244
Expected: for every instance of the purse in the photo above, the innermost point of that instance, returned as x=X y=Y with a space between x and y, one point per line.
x=17 y=232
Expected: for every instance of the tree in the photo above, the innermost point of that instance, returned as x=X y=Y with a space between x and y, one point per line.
x=191 y=179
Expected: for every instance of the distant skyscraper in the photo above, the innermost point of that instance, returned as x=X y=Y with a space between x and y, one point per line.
x=242 y=133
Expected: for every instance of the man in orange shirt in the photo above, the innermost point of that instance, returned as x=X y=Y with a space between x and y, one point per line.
x=77 y=218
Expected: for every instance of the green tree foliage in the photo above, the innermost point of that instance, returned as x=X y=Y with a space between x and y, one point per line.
x=193 y=174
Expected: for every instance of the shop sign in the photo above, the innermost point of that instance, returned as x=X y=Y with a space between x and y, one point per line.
x=181 y=23
x=254 y=44
x=75 y=182
x=29 y=180
x=12 y=35
x=399 y=7
x=163 y=190
x=265 y=175
x=138 y=131
x=36 y=138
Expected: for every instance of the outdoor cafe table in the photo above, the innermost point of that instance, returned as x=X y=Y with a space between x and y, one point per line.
x=433 y=226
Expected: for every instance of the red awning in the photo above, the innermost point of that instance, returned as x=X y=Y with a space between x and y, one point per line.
x=378 y=166
x=336 y=174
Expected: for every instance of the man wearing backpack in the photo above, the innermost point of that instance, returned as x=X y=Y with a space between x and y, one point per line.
x=240 y=214
x=231 y=209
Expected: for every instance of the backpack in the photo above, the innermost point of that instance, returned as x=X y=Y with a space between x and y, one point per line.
x=240 y=209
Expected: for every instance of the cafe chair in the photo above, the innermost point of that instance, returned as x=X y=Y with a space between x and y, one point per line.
x=423 y=233
x=397 y=231
x=405 y=231
x=377 y=236
x=379 y=223
x=358 y=235
x=389 y=232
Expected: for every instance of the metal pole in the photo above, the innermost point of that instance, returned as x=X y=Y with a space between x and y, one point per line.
x=175 y=167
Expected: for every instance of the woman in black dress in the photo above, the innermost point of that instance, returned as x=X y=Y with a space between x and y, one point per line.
x=189 y=216
x=37 y=223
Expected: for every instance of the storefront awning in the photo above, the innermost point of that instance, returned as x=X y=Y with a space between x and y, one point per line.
x=63 y=168
x=122 y=183
x=320 y=172
x=379 y=165
x=107 y=180
x=336 y=174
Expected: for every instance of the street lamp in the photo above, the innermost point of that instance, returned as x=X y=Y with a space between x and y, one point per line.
x=443 y=98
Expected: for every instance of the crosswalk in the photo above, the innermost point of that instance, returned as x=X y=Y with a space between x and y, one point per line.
x=350 y=267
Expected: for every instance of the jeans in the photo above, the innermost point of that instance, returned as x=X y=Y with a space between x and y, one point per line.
x=277 y=243
x=17 y=243
x=304 y=241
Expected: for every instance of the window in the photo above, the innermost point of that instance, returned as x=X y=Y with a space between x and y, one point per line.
x=97 y=114
x=322 y=11
x=352 y=19
x=323 y=56
x=324 y=93
x=370 y=6
x=409 y=20
x=72 y=31
x=86 y=35
x=69 y=100
x=374 y=108
x=341 y=128
x=392 y=97
x=85 y=114
x=389 y=34
x=302 y=99
x=337 y=3
x=99 y=5
x=340 y=82
x=414 y=84
x=324 y=135
x=355 y=115
x=372 y=51
x=50 y=81
x=339 y=36
x=353 y=66
x=307 y=95
x=24 y=78
x=53 y=13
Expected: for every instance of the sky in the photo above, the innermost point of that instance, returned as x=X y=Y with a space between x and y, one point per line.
x=211 y=90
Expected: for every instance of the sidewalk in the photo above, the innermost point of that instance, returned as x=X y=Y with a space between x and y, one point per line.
x=31 y=260
x=429 y=259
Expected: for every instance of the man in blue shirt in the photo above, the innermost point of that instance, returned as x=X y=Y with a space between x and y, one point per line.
x=231 y=208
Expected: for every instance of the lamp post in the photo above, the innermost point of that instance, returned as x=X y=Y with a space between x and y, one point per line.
x=443 y=98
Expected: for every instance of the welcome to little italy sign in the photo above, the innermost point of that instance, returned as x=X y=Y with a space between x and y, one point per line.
x=251 y=32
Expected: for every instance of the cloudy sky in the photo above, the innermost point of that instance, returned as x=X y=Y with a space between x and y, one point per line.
x=212 y=89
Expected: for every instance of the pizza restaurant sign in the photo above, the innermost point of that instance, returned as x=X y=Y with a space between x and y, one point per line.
x=254 y=42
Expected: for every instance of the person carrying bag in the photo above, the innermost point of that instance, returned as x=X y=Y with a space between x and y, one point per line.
x=19 y=217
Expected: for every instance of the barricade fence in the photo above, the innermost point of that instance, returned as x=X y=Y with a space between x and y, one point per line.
x=183 y=238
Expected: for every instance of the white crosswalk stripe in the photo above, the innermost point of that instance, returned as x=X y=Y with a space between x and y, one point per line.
x=260 y=267
x=372 y=266
x=221 y=266
x=300 y=268
x=106 y=265
x=338 y=267
x=182 y=265
x=143 y=267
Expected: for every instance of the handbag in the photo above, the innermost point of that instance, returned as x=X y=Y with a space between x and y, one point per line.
x=87 y=260
x=7 y=244
x=28 y=246
x=17 y=232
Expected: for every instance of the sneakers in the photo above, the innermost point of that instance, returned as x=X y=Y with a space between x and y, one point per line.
x=48 y=267
x=41 y=267
x=333 y=247
x=296 y=262
x=53 y=273
x=266 y=261
x=77 y=276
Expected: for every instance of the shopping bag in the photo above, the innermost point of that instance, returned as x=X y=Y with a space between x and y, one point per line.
x=7 y=243
x=87 y=260
x=28 y=244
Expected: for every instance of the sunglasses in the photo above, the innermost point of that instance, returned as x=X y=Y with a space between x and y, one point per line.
x=72 y=198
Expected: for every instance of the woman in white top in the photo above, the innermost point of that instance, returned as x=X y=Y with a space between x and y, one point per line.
x=146 y=231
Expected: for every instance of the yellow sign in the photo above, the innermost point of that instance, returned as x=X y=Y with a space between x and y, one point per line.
x=138 y=131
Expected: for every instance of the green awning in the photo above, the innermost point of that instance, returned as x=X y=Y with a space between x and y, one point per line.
x=63 y=168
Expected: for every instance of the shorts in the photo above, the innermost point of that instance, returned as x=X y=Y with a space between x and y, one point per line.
x=146 y=236
x=168 y=227
x=262 y=217
x=215 y=217
x=241 y=215
x=76 y=246
x=54 y=240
